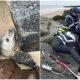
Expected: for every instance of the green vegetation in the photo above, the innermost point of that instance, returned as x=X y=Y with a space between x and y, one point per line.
x=58 y=17
x=45 y=25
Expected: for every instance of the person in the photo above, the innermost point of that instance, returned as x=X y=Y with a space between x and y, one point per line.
x=67 y=42
x=72 y=21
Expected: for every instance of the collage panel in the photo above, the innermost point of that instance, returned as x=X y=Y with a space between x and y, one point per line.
x=19 y=39
x=59 y=41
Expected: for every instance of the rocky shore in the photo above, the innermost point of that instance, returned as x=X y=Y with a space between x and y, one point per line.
x=45 y=45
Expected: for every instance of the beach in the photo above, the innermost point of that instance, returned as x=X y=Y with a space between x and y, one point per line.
x=52 y=12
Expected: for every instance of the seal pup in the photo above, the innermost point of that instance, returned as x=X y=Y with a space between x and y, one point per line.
x=8 y=43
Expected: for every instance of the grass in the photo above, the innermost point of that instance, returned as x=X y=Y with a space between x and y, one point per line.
x=58 y=17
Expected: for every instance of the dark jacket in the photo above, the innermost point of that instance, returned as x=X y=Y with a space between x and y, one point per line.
x=72 y=22
x=68 y=38
x=67 y=43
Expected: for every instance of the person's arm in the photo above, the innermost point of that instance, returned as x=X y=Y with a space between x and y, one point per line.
x=70 y=24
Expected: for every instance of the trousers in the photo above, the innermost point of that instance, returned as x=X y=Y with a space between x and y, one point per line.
x=58 y=46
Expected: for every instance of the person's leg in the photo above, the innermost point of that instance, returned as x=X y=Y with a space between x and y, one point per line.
x=66 y=49
x=78 y=35
x=77 y=32
x=58 y=46
x=75 y=55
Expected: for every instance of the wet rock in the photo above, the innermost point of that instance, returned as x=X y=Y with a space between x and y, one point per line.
x=45 y=24
x=54 y=27
x=23 y=58
x=62 y=22
x=10 y=70
x=47 y=38
x=29 y=43
x=52 y=30
x=46 y=48
x=73 y=65
x=25 y=15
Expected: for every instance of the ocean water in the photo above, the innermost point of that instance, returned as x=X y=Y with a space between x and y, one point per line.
x=50 y=8
x=47 y=7
x=46 y=4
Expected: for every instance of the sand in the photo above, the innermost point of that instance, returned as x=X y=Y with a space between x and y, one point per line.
x=5 y=18
x=51 y=13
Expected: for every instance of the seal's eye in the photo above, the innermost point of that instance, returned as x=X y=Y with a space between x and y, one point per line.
x=7 y=40
x=10 y=30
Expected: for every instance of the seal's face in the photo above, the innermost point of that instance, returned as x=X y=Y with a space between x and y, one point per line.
x=8 y=43
x=9 y=36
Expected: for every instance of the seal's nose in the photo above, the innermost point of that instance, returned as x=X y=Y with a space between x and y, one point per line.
x=7 y=40
x=11 y=30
